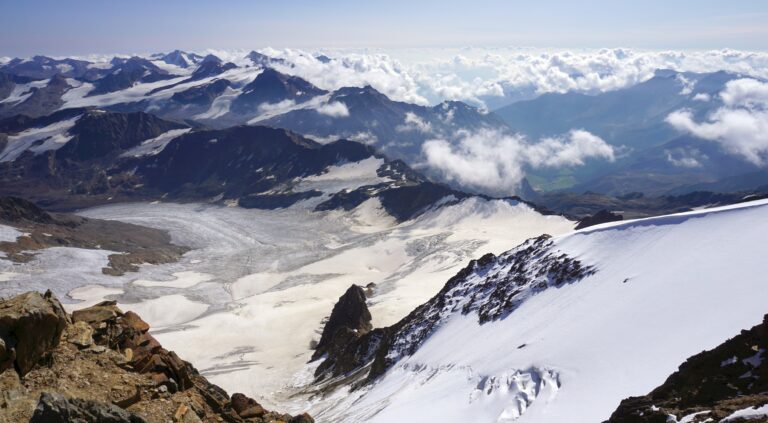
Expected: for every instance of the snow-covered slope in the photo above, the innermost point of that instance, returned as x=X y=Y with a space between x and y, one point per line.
x=566 y=342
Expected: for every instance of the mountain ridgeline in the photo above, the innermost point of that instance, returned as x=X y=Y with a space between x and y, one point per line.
x=109 y=156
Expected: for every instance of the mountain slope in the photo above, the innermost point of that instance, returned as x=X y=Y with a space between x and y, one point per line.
x=397 y=128
x=573 y=351
x=725 y=384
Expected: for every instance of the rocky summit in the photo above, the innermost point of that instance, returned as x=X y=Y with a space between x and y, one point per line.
x=101 y=364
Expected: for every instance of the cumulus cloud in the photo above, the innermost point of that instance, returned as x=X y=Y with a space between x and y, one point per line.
x=704 y=97
x=740 y=126
x=496 y=162
x=414 y=123
x=746 y=92
x=335 y=109
x=688 y=158
x=279 y=107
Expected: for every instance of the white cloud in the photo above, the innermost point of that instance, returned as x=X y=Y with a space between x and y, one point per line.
x=364 y=137
x=273 y=108
x=430 y=76
x=745 y=92
x=568 y=151
x=702 y=97
x=496 y=162
x=414 y=123
x=335 y=109
x=685 y=157
x=740 y=126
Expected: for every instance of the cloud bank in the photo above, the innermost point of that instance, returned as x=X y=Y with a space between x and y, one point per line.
x=740 y=126
x=479 y=75
x=496 y=162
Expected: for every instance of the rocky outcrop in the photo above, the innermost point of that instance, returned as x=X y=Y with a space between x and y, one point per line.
x=602 y=216
x=104 y=366
x=709 y=386
x=17 y=210
x=30 y=327
x=350 y=318
x=491 y=288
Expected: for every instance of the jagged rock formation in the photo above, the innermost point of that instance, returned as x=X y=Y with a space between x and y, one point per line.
x=349 y=319
x=102 y=365
x=492 y=287
x=135 y=244
x=602 y=216
x=710 y=386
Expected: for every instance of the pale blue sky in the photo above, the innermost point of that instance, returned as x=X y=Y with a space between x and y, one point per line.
x=59 y=27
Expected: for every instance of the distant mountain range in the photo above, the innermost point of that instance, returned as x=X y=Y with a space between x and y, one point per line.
x=80 y=157
x=197 y=91
x=204 y=90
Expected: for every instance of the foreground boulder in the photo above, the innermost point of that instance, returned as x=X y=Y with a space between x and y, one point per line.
x=30 y=327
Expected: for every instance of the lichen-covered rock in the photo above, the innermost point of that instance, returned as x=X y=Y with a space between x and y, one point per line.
x=30 y=326
x=56 y=408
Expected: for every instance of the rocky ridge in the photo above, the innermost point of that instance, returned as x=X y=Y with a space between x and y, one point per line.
x=717 y=385
x=491 y=287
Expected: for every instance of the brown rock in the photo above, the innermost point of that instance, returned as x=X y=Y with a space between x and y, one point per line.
x=80 y=334
x=304 y=418
x=102 y=312
x=253 y=411
x=178 y=416
x=129 y=400
x=241 y=402
x=134 y=322
x=30 y=326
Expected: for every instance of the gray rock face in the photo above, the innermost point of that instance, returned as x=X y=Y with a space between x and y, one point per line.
x=350 y=314
x=56 y=408
x=30 y=326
